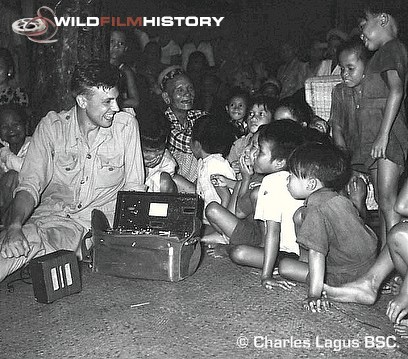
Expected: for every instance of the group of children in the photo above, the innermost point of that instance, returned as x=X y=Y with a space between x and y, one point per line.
x=289 y=199
x=279 y=193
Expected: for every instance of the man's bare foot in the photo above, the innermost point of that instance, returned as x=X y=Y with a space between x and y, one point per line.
x=218 y=250
x=361 y=291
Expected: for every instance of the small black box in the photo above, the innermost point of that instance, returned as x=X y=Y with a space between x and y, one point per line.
x=55 y=275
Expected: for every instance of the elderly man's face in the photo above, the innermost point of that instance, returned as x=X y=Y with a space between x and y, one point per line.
x=180 y=93
x=101 y=106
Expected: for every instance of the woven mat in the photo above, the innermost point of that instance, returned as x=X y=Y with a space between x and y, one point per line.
x=221 y=311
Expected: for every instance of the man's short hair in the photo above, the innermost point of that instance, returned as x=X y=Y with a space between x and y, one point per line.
x=325 y=162
x=214 y=134
x=96 y=73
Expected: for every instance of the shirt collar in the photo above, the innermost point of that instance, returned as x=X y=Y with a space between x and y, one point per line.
x=104 y=133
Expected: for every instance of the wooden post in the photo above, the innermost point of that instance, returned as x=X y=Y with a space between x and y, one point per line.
x=53 y=64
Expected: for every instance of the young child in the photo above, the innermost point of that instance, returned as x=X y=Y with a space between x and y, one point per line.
x=353 y=58
x=13 y=149
x=340 y=246
x=383 y=141
x=365 y=289
x=275 y=206
x=235 y=223
x=129 y=94
x=211 y=140
x=236 y=109
x=295 y=110
x=260 y=113
x=160 y=166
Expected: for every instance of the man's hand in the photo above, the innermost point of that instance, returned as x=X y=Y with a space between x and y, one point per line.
x=270 y=283
x=13 y=243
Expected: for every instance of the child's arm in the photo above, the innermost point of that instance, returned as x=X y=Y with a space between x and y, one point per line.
x=314 y=301
x=392 y=106
x=272 y=239
x=132 y=99
x=338 y=136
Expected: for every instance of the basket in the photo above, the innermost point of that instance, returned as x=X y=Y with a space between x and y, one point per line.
x=318 y=92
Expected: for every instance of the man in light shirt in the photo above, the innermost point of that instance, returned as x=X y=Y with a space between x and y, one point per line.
x=77 y=161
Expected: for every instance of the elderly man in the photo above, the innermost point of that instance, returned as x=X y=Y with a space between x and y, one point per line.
x=77 y=161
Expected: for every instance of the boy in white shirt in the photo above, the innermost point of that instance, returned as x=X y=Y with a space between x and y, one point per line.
x=275 y=206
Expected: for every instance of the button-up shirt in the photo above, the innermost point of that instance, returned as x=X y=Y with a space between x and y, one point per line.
x=180 y=135
x=67 y=176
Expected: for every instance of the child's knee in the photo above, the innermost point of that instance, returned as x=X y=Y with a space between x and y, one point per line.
x=398 y=236
x=238 y=254
x=212 y=211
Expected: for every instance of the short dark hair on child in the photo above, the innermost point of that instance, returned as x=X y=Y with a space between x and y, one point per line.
x=154 y=126
x=325 y=162
x=300 y=110
x=237 y=92
x=282 y=136
x=95 y=73
x=356 y=46
x=214 y=134
x=14 y=108
x=377 y=7
x=269 y=103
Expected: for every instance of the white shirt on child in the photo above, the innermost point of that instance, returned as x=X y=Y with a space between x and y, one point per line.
x=167 y=164
x=275 y=203
x=212 y=164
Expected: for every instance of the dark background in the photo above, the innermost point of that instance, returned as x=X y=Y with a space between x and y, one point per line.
x=254 y=27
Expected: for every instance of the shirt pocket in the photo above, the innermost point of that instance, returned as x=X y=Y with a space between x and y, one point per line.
x=110 y=171
x=66 y=164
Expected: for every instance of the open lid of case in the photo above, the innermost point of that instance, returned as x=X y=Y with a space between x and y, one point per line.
x=172 y=212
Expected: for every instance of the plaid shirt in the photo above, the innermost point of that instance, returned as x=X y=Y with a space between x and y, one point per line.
x=180 y=136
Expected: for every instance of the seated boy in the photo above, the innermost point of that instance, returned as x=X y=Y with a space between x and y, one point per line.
x=275 y=206
x=211 y=141
x=236 y=224
x=340 y=246
x=13 y=149
x=159 y=163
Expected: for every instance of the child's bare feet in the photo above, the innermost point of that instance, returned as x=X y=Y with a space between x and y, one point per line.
x=214 y=238
x=218 y=250
x=362 y=291
x=396 y=283
x=397 y=308
x=402 y=328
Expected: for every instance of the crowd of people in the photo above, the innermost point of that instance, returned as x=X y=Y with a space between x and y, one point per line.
x=283 y=190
